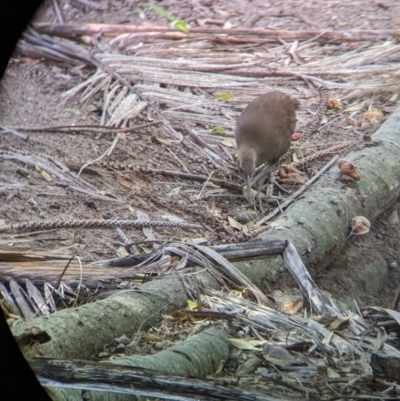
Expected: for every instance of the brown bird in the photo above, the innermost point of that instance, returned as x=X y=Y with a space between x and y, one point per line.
x=263 y=133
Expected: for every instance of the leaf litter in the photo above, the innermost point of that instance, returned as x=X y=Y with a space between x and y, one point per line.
x=202 y=81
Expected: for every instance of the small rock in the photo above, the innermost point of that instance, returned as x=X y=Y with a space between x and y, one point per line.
x=393 y=218
x=393 y=265
x=123 y=340
x=132 y=347
x=120 y=348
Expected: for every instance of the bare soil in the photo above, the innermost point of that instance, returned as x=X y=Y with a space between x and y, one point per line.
x=31 y=96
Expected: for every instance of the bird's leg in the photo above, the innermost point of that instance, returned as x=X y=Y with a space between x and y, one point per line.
x=267 y=172
x=260 y=178
x=270 y=186
x=248 y=187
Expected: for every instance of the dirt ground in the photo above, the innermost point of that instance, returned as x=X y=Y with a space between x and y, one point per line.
x=31 y=95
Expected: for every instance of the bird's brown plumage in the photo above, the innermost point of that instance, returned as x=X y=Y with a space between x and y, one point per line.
x=264 y=131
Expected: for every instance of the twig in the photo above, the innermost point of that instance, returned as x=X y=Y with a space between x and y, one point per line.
x=61 y=276
x=14 y=132
x=147 y=170
x=204 y=185
x=127 y=243
x=80 y=280
x=50 y=224
x=195 y=177
x=177 y=158
x=73 y=30
x=396 y=299
x=197 y=138
x=84 y=128
x=90 y=4
x=82 y=54
x=388 y=140
x=289 y=200
x=107 y=153
x=58 y=11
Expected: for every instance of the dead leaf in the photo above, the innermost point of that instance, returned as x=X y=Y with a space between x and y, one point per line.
x=290 y=175
x=294 y=307
x=181 y=315
x=335 y=103
x=374 y=115
x=253 y=192
x=164 y=142
x=125 y=181
x=278 y=356
x=355 y=107
x=228 y=25
x=332 y=374
x=250 y=345
x=250 y=226
x=220 y=366
x=393 y=218
x=340 y=323
x=212 y=185
x=249 y=367
x=175 y=191
x=150 y=116
x=143 y=178
x=152 y=338
x=197 y=241
x=122 y=252
x=229 y=142
x=360 y=225
x=235 y=224
x=351 y=121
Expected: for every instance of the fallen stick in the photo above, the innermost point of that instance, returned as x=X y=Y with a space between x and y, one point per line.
x=50 y=224
x=112 y=30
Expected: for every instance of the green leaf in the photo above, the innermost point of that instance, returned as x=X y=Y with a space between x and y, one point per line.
x=224 y=96
x=218 y=130
x=181 y=25
x=178 y=23
x=161 y=11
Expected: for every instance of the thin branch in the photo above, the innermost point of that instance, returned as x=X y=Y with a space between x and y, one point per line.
x=51 y=224
x=103 y=129
x=74 y=30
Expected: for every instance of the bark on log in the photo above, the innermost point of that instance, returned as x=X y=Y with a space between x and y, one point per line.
x=198 y=356
x=79 y=333
x=78 y=374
